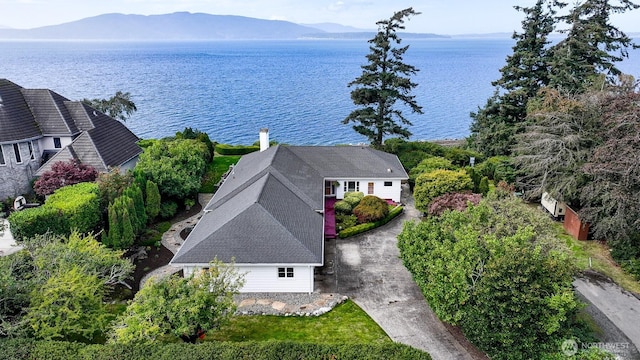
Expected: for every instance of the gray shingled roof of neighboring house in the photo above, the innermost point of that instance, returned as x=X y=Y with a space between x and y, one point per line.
x=16 y=120
x=103 y=143
x=52 y=115
x=267 y=210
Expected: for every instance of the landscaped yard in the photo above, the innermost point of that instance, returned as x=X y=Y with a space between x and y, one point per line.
x=346 y=323
x=218 y=166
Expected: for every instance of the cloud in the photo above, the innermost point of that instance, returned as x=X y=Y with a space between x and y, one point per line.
x=336 y=6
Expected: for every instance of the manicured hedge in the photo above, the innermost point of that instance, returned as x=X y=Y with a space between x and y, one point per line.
x=23 y=349
x=227 y=149
x=358 y=229
x=27 y=223
x=80 y=204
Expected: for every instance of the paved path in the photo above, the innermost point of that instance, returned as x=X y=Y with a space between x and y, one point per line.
x=172 y=240
x=7 y=243
x=368 y=269
x=619 y=306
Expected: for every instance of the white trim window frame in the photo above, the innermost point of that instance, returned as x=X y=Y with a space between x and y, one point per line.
x=349 y=188
x=285 y=273
x=3 y=161
x=32 y=153
x=16 y=153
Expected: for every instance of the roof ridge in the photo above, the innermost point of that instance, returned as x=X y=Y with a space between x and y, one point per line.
x=234 y=192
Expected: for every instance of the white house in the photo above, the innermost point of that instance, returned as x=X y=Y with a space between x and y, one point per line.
x=268 y=215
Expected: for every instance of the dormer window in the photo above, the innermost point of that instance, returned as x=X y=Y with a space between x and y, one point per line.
x=56 y=143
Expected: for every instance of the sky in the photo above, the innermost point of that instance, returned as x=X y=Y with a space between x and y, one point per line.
x=449 y=17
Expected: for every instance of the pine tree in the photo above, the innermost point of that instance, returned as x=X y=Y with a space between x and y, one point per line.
x=592 y=46
x=384 y=81
x=526 y=71
x=153 y=200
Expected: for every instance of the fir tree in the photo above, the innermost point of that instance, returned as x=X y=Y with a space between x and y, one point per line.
x=384 y=81
x=525 y=72
x=592 y=46
x=128 y=235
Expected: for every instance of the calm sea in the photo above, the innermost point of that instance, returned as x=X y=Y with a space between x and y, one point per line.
x=231 y=89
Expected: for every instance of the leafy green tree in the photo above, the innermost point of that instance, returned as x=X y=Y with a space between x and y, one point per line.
x=591 y=47
x=153 y=200
x=183 y=307
x=176 y=166
x=68 y=306
x=120 y=106
x=499 y=272
x=112 y=184
x=385 y=80
x=526 y=71
x=439 y=182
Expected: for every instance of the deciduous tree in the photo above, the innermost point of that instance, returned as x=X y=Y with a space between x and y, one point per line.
x=63 y=173
x=385 y=80
x=183 y=307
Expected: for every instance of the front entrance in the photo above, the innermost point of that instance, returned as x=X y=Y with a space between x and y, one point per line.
x=329 y=188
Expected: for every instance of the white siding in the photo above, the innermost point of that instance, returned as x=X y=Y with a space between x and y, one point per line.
x=46 y=143
x=129 y=165
x=392 y=192
x=265 y=279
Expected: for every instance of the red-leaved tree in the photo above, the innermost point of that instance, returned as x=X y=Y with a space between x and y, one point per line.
x=453 y=201
x=64 y=173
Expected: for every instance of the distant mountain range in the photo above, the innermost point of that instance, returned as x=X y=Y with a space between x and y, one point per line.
x=184 y=26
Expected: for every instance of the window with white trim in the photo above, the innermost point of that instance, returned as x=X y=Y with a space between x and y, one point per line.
x=16 y=152
x=388 y=183
x=32 y=155
x=351 y=186
x=370 y=188
x=2 y=161
x=56 y=143
x=285 y=272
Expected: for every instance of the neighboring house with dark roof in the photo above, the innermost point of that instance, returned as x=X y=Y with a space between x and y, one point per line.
x=39 y=127
x=268 y=215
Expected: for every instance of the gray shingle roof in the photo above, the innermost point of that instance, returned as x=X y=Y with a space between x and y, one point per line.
x=266 y=211
x=264 y=223
x=50 y=112
x=16 y=120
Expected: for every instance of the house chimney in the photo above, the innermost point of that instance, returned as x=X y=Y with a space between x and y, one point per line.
x=264 y=139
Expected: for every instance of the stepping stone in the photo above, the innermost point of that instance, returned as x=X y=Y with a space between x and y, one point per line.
x=278 y=305
x=264 y=302
x=247 y=302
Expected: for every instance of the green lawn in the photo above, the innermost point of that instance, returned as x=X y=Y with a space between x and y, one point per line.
x=346 y=323
x=215 y=170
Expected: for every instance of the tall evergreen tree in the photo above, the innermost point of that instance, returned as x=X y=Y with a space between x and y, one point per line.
x=153 y=200
x=384 y=81
x=525 y=72
x=592 y=45
x=112 y=238
x=135 y=194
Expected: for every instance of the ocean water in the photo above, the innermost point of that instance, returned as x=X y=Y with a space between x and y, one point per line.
x=231 y=89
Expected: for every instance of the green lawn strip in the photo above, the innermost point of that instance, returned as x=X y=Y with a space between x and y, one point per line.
x=215 y=170
x=601 y=261
x=346 y=323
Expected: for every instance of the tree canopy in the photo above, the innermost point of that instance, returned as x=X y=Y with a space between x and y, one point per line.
x=182 y=306
x=120 y=106
x=385 y=80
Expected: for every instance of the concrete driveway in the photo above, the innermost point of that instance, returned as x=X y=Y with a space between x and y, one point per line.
x=367 y=268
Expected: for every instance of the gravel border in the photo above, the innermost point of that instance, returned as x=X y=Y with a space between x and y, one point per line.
x=287 y=304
